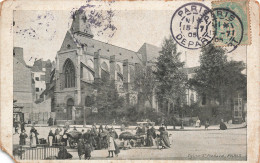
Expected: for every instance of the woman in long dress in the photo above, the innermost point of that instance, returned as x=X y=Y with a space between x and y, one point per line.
x=149 y=139
x=111 y=145
x=33 y=130
x=51 y=138
x=23 y=137
x=32 y=140
x=164 y=138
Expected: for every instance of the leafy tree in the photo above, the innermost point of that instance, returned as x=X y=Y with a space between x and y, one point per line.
x=145 y=83
x=217 y=78
x=107 y=99
x=169 y=75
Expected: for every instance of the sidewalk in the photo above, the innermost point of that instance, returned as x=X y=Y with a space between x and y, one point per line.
x=177 y=128
x=213 y=127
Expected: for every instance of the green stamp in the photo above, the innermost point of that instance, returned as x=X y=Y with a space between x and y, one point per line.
x=232 y=23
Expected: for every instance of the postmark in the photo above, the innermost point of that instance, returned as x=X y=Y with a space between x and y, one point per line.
x=229 y=28
x=185 y=23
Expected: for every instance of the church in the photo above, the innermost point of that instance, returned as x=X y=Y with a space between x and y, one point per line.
x=82 y=61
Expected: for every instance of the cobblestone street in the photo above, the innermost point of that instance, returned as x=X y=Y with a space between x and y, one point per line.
x=194 y=145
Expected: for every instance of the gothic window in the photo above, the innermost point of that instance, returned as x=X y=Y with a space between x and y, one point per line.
x=69 y=73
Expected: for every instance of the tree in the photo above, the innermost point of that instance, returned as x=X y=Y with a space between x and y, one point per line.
x=145 y=82
x=171 y=79
x=217 y=78
x=107 y=99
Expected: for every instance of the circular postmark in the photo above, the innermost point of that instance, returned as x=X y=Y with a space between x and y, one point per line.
x=229 y=28
x=185 y=23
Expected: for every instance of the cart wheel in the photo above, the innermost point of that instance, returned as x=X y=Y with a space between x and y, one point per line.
x=72 y=143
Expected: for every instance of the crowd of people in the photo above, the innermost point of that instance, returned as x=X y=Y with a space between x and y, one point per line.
x=96 y=138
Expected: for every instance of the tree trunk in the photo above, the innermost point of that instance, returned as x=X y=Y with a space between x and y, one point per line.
x=168 y=107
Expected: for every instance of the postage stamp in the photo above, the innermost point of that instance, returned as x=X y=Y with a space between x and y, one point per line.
x=130 y=81
x=239 y=9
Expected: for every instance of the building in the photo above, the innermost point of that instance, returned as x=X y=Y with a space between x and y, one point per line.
x=83 y=61
x=39 y=70
x=23 y=85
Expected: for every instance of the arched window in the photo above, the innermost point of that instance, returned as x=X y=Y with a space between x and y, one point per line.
x=69 y=73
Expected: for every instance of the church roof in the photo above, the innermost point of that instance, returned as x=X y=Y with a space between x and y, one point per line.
x=107 y=50
x=150 y=52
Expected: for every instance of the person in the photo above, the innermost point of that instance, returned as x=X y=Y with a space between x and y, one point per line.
x=16 y=126
x=153 y=131
x=33 y=130
x=87 y=150
x=65 y=137
x=164 y=137
x=143 y=129
x=57 y=136
x=149 y=139
x=207 y=124
x=98 y=141
x=111 y=145
x=222 y=125
x=115 y=136
x=81 y=148
x=157 y=141
x=50 y=121
x=122 y=127
x=197 y=123
x=23 y=137
x=32 y=139
x=138 y=129
x=64 y=154
x=94 y=129
x=100 y=130
x=74 y=128
x=51 y=137
x=114 y=133
x=22 y=126
x=67 y=125
x=106 y=128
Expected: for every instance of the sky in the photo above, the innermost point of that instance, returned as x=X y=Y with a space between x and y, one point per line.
x=41 y=33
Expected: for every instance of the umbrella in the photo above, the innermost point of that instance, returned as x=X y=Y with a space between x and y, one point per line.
x=126 y=135
x=75 y=134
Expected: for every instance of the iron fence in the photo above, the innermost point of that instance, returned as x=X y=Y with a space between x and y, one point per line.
x=41 y=152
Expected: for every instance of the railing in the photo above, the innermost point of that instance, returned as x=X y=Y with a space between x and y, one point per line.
x=41 y=152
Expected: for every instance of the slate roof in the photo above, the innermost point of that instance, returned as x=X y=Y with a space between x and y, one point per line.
x=150 y=51
x=107 y=50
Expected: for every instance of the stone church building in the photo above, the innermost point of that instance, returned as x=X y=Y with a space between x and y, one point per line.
x=82 y=61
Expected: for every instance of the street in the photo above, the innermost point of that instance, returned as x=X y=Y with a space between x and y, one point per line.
x=186 y=145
